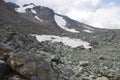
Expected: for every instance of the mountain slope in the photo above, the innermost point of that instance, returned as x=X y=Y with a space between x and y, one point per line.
x=23 y=25
x=38 y=19
x=44 y=15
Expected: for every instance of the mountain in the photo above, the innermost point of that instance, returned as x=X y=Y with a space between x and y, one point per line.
x=21 y=24
x=39 y=19
x=37 y=43
x=43 y=15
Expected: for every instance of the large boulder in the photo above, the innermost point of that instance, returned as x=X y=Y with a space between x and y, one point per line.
x=30 y=65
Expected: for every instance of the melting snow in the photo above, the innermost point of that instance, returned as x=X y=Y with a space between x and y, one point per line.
x=36 y=17
x=33 y=11
x=61 y=22
x=88 y=28
x=65 y=40
x=23 y=9
x=88 y=31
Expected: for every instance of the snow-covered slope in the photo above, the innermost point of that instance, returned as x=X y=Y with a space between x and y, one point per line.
x=61 y=23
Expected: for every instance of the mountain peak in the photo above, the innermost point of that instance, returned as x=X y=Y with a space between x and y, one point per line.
x=12 y=5
x=8 y=6
x=2 y=3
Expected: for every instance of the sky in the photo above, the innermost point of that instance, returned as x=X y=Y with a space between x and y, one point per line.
x=98 y=13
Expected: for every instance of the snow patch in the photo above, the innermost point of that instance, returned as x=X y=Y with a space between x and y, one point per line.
x=61 y=22
x=1 y=62
x=88 y=31
x=65 y=40
x=23 y=9
x=33 y=11
x=36 y=17
x=88 y=27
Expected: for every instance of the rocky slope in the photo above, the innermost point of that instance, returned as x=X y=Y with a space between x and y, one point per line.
x=23 y=57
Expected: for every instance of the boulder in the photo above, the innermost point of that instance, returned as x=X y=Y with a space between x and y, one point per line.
x=30 y=65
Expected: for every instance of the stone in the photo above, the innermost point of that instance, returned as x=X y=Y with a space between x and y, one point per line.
x=30 y=64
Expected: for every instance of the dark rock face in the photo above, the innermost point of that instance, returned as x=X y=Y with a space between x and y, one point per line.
x=4 y=70
x=12 y=5
x=45 y=13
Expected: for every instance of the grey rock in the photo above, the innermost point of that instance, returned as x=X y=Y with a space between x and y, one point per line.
x=34 y=78
x=29 y=65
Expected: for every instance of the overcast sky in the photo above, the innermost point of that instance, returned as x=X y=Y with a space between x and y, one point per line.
x=98 y=13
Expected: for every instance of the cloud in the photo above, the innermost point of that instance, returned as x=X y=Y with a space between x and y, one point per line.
x=98 y=13
x=107 y=17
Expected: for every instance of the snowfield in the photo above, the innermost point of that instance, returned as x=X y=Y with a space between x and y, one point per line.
x=61 y=23
x=65 y=40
